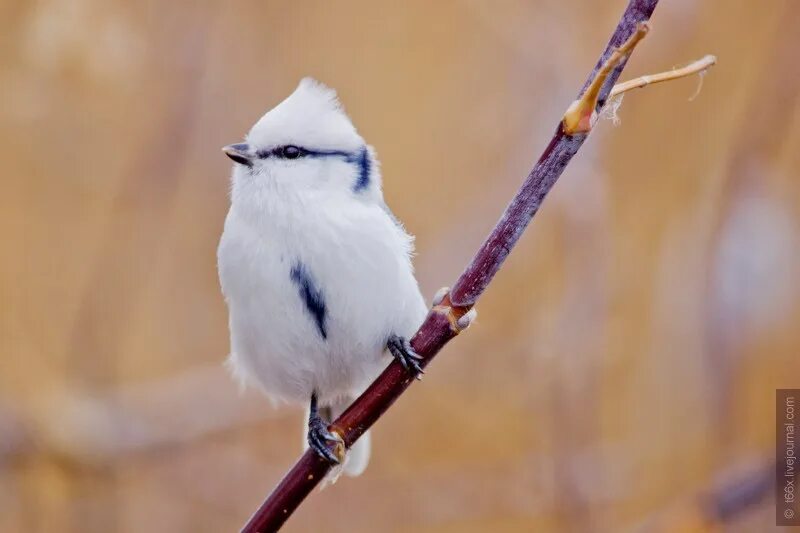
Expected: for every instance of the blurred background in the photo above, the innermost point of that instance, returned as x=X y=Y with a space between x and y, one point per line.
x=622 y=372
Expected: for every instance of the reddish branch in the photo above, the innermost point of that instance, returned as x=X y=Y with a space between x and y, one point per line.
x=441 y=324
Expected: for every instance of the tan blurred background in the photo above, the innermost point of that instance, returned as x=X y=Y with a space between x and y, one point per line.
x=625 y=359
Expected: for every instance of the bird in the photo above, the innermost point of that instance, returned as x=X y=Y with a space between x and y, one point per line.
x=314 y=267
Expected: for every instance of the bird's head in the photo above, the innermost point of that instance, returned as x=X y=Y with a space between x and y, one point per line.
x=305 y=144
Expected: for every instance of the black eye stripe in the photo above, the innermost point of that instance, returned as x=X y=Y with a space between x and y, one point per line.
x=359 y=158
x=288 y=151
x=291 y=151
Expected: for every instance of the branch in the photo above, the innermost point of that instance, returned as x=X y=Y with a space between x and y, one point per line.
x=442 y=323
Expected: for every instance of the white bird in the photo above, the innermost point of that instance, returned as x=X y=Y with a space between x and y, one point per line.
x=315 y=269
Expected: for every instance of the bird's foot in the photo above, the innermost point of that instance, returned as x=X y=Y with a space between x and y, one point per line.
x=320 y=440
x=401 y=350
x=320 y=437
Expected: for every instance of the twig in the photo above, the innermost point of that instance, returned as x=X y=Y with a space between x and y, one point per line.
x=442 y=323
x=695 y=67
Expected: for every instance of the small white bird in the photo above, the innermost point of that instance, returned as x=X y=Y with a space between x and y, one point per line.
x=315 y=269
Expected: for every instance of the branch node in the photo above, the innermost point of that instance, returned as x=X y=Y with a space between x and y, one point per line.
x=459 y=317
x=339 y=449
x=582 y=113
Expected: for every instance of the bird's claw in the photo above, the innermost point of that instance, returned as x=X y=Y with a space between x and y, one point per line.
x=401 y=350
x=319 y=438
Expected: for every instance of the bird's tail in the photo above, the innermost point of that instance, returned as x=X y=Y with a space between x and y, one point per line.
x=357 y=457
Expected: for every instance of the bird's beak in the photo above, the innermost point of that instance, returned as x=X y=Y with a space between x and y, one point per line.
x=239 y=153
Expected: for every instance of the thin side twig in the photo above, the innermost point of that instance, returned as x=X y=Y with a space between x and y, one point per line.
x=442 y=323
x=695 y=67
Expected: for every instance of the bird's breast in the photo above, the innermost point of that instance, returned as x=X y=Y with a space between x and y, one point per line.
x=313 y=299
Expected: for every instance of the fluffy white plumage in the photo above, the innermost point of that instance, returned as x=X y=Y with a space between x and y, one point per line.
x=315 y=269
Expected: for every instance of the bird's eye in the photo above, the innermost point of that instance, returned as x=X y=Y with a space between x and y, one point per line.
x=290 y=152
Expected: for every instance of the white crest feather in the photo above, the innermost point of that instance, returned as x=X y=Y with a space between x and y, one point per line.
x=311 y=115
